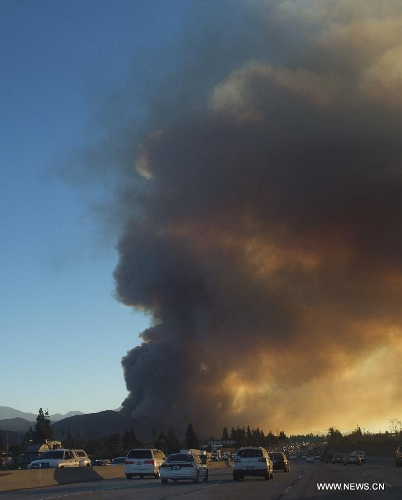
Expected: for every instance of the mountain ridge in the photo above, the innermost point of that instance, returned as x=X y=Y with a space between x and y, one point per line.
x=8 y=413
x=87 y=426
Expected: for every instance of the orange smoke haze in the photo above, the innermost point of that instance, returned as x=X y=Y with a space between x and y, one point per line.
x=262 y=215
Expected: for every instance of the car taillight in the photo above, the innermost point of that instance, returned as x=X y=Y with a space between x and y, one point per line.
x=128 y=462
x=263 y=459
x=149 y=462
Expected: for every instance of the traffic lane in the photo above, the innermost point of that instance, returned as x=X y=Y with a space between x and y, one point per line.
x=384 y=470
x=219 y=487
x=336 y=482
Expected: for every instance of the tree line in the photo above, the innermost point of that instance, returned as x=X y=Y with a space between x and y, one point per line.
x=116 y=445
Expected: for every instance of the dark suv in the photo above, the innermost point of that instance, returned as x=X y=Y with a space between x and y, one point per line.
x=280 y=461
x=398 y=457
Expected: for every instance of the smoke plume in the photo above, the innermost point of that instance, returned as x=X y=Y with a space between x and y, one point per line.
x=262 y=208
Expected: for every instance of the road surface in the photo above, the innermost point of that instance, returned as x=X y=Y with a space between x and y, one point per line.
x=305 y=481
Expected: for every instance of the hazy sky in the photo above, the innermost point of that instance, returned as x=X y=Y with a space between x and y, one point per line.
x=232 y=169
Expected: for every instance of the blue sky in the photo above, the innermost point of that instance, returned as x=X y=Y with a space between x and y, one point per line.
x=63 y=332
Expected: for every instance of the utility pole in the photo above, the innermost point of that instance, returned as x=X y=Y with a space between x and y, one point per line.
x=6 y=450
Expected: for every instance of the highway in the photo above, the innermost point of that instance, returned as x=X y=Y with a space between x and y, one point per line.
x=375 y=480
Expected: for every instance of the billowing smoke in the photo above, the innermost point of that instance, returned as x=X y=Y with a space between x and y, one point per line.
x=263 y=222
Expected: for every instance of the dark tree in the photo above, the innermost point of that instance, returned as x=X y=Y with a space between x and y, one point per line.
x=334 y=437
x=191 y=438
x=29 y=436
x=225 y=434
x=160 y=442
x=129 y=439
x=42 y=428
x=172 y=442
x=282 y=436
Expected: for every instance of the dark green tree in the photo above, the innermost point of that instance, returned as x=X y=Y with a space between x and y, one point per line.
x=191 y=438
x=282 y=436
x=29 y=436
x=225 y=434
x=334 y=437
x=129 y=439
x=114 y=445
x=172 y=442
x=42 y=427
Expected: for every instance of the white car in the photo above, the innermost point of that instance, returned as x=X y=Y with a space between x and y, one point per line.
x=143 y=462
x=56 y=459
x=252 y=461
x=180 y=466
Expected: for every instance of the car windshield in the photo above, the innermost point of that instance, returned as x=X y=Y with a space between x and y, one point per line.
x=276 y=455
x=180 y=457
x=249 y=453
x=52 y=454
x=140 y=454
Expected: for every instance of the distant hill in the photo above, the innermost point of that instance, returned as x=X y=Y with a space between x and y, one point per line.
x=108 y=422
x=9 y=413
x=16 y=425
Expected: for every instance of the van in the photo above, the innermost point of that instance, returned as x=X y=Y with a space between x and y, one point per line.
x=143 y=462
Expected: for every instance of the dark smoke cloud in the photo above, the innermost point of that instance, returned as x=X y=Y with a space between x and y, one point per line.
x=263 y=222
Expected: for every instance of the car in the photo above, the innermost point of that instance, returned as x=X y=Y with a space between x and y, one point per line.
x=337 y=458
x=252 y=461
x=83 y=458
x=183 y=466
x=118 y=461
x=398 y=457
x=143 y=462
x=59 y=458
x=100 y=463
x=329 y=456
x=351 y=459
x=280 y=461
x=293 y=456
x=309 y=458
x=361 y=455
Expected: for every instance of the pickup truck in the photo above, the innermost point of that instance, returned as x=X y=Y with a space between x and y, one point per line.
x=61 y=458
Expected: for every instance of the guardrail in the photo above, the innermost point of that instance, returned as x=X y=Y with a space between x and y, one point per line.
x=27 y=479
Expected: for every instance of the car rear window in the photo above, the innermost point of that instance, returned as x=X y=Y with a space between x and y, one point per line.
x=249 y=453
x=140 y=454
x=276 y=455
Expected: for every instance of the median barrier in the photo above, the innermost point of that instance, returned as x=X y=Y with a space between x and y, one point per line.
x=28 y=479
